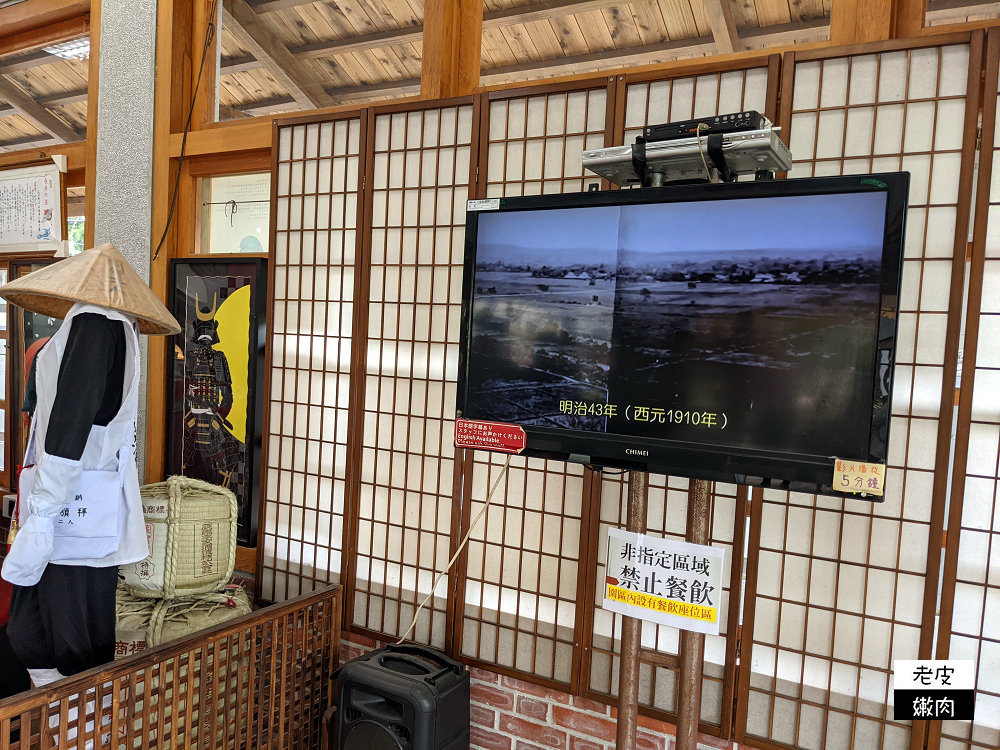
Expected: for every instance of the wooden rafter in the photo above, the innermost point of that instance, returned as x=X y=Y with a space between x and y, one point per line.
x=45 y=35
x=952 y=10
x=37 y=114
x=28 y=140
x=30 y=60
x=720 y=16
x=53 y=100
x=782 y=33
x=254 y=35
x=790 y=32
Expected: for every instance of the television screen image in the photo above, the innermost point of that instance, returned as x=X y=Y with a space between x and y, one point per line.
x=732 y=330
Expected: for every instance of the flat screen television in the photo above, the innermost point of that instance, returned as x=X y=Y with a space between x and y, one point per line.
x=741 y=332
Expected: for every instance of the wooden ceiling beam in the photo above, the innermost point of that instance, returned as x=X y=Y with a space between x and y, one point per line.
x=786 y=33
x=28 y=140
x=53 y=100
x=720 y=17
x=30 y=60
x=37 y=114
x=790 y=32
x=782 y=33
x=37 y=14
x=345 y=93
x=46 y=35
x=254 y=35
x=953 y=10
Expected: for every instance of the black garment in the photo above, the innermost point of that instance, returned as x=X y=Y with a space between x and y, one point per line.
x=65 y=621
x=14 y=678
x=91 y=384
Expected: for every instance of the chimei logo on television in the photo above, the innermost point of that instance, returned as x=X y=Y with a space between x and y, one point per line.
x=635 y=452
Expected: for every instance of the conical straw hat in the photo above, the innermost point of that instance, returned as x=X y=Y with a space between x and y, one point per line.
x=99 y=277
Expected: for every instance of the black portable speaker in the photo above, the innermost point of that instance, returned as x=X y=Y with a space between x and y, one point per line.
x=401 y=698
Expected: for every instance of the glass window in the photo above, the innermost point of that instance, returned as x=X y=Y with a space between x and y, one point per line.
x=236 y=213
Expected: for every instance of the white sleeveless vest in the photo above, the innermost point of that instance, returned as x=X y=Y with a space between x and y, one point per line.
x=103 y=484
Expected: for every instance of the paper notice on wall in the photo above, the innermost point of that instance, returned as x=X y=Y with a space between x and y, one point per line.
x=31 y=209
x=660 y=580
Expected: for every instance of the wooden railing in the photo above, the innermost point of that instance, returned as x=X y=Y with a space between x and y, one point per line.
x=262 y=681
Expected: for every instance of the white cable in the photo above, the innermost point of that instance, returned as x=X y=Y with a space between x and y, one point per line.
x=703 y=126
x=465 y=541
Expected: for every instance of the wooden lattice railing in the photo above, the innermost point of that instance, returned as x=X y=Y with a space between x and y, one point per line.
x=262 y=681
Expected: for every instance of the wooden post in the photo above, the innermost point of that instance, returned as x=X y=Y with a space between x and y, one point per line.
x=693 y=644
x=453 y=31
x=853 y=21
x=628 y=668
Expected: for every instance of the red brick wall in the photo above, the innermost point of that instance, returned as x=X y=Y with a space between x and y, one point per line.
x=510 y=714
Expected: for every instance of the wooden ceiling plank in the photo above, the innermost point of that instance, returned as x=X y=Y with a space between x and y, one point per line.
x=772 y=12
x=746 y=14
x=679 y=19
x=544 y=38
x=388 y=14
x=650 y=23
x=720 y=16
x=520 y=43
x=595 y=31
x=255 y=36
x=571 y=36
x=622 y=27
x=38 y=115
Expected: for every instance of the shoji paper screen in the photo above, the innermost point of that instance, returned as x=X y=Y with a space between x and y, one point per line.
x=315 y=231
x=523 y=570
x=972 y=569
x=838 y=589
x=649 y=101
x=419 y=187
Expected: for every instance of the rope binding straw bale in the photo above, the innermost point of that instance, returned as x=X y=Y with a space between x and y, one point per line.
x=183 y=493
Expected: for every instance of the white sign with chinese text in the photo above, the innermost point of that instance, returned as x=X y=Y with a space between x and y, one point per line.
x=934 y=689
x=663 y=581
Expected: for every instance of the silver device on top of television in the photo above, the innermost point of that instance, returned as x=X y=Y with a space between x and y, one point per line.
x=713 y=152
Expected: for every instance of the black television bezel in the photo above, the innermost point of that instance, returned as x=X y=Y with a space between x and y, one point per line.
x=788 y=471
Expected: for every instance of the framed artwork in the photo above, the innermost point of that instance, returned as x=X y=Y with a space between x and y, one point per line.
x=216 y=383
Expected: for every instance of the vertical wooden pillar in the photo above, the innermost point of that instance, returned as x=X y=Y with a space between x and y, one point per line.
x=174 y=84
x=453 y=38
x=90 y=171
x=855 y=21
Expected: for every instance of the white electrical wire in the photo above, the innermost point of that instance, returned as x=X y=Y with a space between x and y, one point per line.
x=465 y=541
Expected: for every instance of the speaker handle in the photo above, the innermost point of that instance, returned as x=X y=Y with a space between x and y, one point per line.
x=447 y=665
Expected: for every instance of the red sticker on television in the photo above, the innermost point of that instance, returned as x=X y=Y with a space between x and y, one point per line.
x=490 y=436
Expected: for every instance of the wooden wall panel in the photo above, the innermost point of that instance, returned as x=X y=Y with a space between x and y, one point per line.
x=970 y=602
x=421 y=160
x=315 y=254
x=838 y=589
